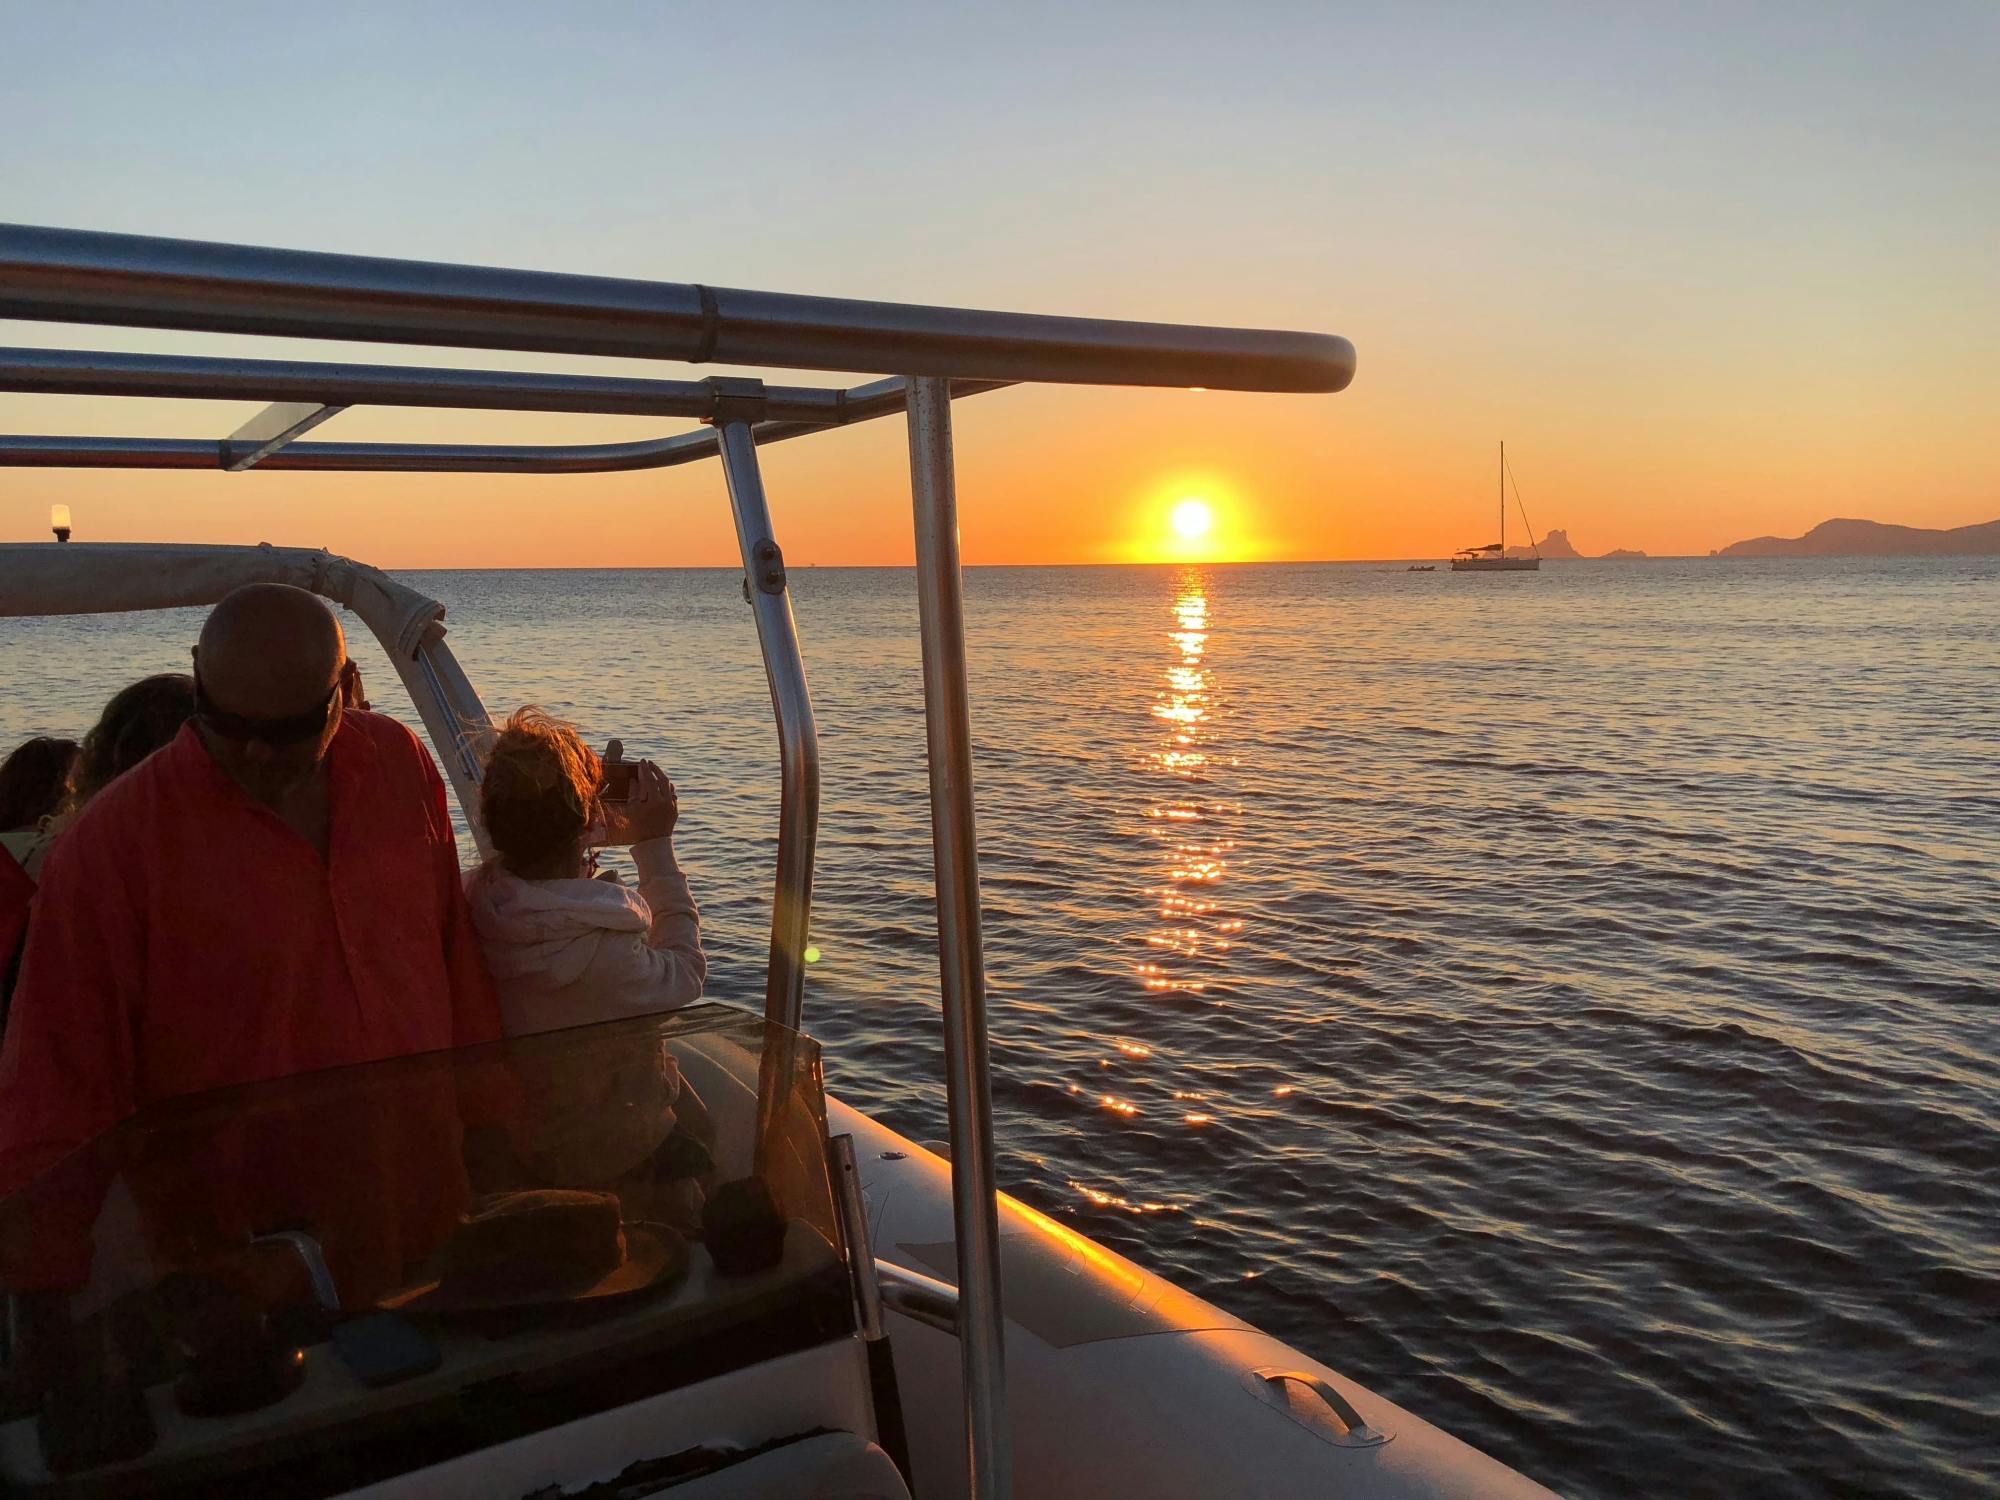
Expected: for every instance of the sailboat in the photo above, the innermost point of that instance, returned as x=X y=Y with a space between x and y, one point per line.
x=1493 y=557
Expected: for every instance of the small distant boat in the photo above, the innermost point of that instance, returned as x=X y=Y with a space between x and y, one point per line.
x=1421 y=568
x=1493 y=558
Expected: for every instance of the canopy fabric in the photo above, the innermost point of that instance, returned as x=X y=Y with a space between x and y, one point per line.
x=84 y=578
x=87 y=578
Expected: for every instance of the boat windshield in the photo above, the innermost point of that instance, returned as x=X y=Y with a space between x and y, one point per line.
x=352 y=1273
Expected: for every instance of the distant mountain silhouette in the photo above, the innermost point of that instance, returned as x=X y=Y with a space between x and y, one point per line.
x=1622 y=554
x=1557 y=545
x=1873 y=539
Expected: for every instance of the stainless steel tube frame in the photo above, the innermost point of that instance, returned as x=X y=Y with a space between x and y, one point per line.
x=798 y=766
x=83 y=276
x=97 y=372
x=853 y=1206
x=923 y=1299
x=961 y=961
x=863 y=403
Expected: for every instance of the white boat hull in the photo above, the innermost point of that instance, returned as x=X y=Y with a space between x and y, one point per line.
x=1119 y=1383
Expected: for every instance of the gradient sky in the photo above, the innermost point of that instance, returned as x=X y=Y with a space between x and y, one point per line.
x=1712 y=272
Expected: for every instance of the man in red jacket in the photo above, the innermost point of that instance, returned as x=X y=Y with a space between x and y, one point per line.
x=275 y=892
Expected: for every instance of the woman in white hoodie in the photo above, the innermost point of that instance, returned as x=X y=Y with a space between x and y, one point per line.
x=566 y=949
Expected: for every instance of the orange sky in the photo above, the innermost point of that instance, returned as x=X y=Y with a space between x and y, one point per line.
x=1074 y=475
x=1708 y=282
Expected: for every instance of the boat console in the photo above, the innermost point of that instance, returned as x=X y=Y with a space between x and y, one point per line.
x=319 y=1283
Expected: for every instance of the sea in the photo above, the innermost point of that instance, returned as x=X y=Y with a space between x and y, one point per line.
x=1566 y=1002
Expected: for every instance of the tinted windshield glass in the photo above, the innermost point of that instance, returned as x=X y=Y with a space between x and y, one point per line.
x=352 y=1272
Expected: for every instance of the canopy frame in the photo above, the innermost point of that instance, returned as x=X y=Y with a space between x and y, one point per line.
x=79 y=276
x=114 y=577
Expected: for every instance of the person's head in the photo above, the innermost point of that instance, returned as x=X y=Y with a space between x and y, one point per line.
x=33 y=780
x=539 y=796
x=137 y=721
x=267 y=676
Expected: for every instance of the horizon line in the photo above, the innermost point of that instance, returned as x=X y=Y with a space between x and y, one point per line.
x=1272 y=562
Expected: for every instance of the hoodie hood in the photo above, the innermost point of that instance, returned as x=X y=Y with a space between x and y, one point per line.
x=549 y=930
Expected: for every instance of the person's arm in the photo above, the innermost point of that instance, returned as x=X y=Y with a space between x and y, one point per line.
x=670 y=969
x=673 y=941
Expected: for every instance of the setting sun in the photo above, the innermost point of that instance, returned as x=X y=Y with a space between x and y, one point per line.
x=1192 y=519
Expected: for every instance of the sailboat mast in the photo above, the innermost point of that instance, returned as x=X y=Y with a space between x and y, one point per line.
x=1503 y=497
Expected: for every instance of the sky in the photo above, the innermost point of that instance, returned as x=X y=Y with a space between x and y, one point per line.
x=1711 y=272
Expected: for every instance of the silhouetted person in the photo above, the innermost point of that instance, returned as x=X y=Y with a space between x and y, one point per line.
x=137 y=721
x=568 y=950
x=275 y=892
x=32 y=782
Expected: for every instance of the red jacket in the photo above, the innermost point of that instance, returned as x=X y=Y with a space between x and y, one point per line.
x=185 y=938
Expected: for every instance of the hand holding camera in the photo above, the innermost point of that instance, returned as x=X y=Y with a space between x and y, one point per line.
x=639 y=801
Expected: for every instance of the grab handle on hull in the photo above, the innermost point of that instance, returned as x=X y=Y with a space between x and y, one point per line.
x=1358 y=1433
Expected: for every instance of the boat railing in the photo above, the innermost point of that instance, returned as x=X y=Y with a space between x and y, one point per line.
x=929 y=354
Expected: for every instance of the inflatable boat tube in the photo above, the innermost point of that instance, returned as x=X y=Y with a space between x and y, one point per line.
x=1121 y=1384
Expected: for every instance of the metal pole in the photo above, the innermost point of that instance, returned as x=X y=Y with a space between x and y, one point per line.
x=853 y=1207
x=77 y=276
x=862 y=403
x=961 y=964
x=920 y=1298
x=798 y=756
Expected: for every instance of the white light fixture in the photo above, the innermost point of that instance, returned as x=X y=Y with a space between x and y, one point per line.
x=59 y=521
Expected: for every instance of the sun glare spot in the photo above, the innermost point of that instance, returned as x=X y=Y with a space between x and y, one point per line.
x=1192 y=519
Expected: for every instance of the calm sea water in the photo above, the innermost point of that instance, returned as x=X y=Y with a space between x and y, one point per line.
x=1566 y=1002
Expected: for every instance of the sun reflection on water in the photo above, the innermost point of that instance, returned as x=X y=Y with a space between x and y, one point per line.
x=1193 y=931
x=1190 y=935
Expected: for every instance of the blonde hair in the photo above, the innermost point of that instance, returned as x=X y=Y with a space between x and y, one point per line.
x=540 y=790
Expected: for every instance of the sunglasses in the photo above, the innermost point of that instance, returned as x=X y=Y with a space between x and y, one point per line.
x=291 y=730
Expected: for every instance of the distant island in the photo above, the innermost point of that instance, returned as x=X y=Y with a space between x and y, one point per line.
x=1828 y=539
x=1558 y=546
x=1872 y=539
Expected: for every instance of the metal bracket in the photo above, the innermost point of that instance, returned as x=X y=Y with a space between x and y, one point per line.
x=768 y=567
x=738 y=398
x=272 y=428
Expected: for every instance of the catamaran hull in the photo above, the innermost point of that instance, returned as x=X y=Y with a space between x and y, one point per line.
x=1119 y=1383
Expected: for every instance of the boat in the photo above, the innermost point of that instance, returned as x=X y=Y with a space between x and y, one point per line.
x=1493 y=558
x=1423 y=568
x=856 y=1314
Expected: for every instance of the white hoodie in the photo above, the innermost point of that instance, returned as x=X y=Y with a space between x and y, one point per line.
x=571 y=952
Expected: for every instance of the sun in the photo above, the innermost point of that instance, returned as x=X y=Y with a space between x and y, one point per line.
x=1192 y=519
